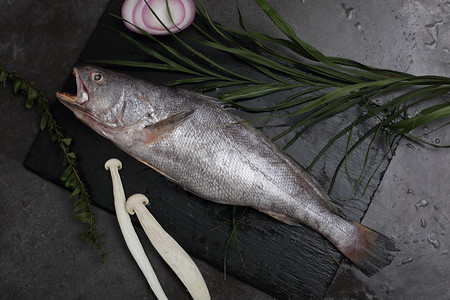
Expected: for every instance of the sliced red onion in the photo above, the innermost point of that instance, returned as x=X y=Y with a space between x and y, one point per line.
x=138 y=13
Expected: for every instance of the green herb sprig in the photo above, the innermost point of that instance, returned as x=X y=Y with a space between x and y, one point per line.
x=319 y=86
x=82 y=206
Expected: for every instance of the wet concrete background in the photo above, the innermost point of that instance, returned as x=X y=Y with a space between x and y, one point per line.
x=41 y=254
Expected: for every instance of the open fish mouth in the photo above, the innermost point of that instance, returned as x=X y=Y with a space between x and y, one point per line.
x=77 y=100
x=76 y=103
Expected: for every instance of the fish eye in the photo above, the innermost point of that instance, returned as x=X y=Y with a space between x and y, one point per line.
x=97 y=77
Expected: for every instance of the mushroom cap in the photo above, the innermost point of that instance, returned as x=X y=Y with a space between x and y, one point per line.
x=134 y=201
x=113 y=163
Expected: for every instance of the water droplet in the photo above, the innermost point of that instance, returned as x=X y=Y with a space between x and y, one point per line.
x=445 y=252
x=431 y=44
x=411 y=146
x=415 y=241
x=348 y=11
x=421 y=203
x=358 y=25
x=423 y=223
x=425 y=128
x=406 y=242
x=435 y=242
x=387 y=287
x=439 y=223
x=407 y=260
x=410 y=192
x=437 y=141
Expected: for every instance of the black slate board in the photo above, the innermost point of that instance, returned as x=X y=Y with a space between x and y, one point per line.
x=286 y=262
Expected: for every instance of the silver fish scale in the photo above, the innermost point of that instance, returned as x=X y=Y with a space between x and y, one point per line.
x=217 y=159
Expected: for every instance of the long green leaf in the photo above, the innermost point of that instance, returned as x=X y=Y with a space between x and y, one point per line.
x=255 y=91
x=304 y=48
x=436 y=112
x=391 y=105
x=174 y=66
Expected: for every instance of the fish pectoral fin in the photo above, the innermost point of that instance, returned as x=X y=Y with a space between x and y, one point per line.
x=155 y=131
x=282 y=218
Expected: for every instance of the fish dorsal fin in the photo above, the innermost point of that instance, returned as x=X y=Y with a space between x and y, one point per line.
x=157 y=130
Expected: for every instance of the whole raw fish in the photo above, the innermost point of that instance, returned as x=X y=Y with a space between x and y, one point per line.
x=210 y=152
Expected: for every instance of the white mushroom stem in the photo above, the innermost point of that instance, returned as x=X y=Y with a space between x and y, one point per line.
x=128 y=232
x=180 y=262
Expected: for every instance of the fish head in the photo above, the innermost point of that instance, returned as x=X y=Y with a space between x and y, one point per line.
x=106 y=101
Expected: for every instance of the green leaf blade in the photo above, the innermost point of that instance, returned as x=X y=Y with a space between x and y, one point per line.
x=44 y=120
x=255 y=91
x=66 y=141
x=84 y=217
x=67 y=172
x=16 y=86
x=430 y=114
x=76 y=191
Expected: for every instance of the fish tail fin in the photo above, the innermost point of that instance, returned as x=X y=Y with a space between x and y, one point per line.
x=371 y=251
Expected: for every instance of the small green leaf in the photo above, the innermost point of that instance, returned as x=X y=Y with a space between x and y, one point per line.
x=51 y=125
x=3 y=76
x=84 y=217
x=64 y=161
x=67 y=142
x=76 y=191
x=24 y=87
x=72 y=181
x=33 y=94
x=80 y=205
x=44 y=120
x=71 y=156
x=29 y=103
x=55 y=137
x=66 y=173
x=16 y=85
x=91 y=238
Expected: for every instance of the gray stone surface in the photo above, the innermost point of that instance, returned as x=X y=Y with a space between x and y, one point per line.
x=412 y=201
x=41 y=254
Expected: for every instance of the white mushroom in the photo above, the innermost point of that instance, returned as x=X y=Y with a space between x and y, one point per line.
x=129 y=234
x=180 y=262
